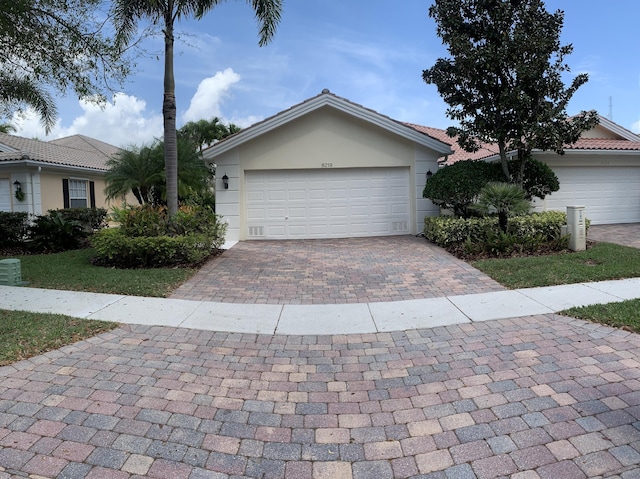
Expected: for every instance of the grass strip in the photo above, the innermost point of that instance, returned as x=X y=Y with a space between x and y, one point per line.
x=624 y=315
x=24 y=334
x=603 y=261
x=73 y=271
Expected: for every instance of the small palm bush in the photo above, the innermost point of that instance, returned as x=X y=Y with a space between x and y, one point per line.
x=504 y=199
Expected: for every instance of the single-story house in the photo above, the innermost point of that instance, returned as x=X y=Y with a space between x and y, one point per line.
x=64 y=173
x=330 y=168
x=325 y=168
x=601 y=172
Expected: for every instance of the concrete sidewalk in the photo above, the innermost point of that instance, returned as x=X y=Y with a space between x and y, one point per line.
x=292 y=319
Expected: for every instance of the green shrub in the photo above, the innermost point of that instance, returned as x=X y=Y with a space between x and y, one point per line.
x=91 y=219
x=54 y=233
x=528 y=232
x=114 y=248
x=457 y=186
x=150 y=237
x=13 y=228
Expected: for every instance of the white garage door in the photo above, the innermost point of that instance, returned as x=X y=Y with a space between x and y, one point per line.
x=327 y=203
x=610 y=194
x=5 y=195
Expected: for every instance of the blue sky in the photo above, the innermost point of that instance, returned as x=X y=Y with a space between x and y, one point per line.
x=372 y=53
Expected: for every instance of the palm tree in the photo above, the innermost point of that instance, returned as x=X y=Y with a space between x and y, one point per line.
x=141 y=170
x=203 y=133
x=127 y=14
x=505 y=199
x=7 y=128
x=18 y=90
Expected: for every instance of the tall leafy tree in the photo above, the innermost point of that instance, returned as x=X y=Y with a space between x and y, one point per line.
x=165 y=13
x=503 y=79
x=49 y=46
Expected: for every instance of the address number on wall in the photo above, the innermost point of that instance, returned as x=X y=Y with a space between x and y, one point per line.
x=327 y=165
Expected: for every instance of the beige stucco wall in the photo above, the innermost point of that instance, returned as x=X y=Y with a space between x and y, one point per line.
x=325 y=138
x=600 y=132
x=51 y=190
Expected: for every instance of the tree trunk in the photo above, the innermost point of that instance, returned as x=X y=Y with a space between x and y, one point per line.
x=504 y=160
x=169 y=115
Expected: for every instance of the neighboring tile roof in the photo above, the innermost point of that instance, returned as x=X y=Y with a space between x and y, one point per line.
x=486 y=149
x=604 y=144
x=85 y=143
x=85 y=152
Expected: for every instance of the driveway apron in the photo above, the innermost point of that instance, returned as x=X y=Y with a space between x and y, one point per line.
x=624 y=234
x=336 y=271
x=543 y=397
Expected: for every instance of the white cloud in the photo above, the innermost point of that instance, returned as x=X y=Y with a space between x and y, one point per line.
x=635 y=127
x=122 y=122
x=206 y=102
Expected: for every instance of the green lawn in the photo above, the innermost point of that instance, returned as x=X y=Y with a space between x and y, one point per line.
x=73 y=271
x=625 y=315
x=601 y=262
x=23 y=335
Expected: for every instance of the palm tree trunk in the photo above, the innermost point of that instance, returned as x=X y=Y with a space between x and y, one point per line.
x=169 y=115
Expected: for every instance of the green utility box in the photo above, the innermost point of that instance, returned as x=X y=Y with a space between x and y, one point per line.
x=10 y=272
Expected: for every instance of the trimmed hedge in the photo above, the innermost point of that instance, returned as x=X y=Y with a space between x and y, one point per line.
x=113 y=248
x=448 y=230
x=150 y=238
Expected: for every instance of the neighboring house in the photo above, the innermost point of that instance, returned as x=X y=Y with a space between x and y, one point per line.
x=601 y=172
x=64 y=173
x=325 y=168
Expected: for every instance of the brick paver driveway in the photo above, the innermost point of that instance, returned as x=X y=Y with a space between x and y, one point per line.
x=624 y=234
x=354 y=270
x=540 y=397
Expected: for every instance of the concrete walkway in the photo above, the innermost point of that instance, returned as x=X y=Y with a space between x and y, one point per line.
x=319 y=319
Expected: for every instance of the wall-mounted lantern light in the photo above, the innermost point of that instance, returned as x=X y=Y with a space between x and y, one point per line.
x=225 y=181
x=17 y=185
x=429 y=175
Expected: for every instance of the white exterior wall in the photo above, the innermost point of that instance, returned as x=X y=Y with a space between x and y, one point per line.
x=425 y=162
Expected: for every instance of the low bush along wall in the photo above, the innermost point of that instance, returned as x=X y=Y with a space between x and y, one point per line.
x=446 y=231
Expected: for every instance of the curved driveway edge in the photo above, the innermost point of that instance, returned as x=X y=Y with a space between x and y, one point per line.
x=318 y=319
x=538 y=397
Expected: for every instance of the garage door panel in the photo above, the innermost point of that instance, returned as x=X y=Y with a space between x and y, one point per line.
x=328 y=203
x=610 y=194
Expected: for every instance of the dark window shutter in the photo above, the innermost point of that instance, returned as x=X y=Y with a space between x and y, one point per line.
x=65 y=192
x=92 y=194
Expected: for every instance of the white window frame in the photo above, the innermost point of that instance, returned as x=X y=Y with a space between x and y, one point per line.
x=78 y=191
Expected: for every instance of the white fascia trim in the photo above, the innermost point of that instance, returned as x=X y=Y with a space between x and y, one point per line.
x=617 y=129
x=7 y=149
x=339 y=104
x=590 y=152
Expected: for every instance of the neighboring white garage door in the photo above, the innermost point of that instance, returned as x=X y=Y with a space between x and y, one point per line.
x=5 y=195
x=327 y=203
x=611 y=194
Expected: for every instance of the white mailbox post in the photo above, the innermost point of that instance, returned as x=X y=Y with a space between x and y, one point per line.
x=576 y=228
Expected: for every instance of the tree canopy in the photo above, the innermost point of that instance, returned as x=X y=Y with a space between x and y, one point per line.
x=164 y=14
x=49 y=46
x=503 y=79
